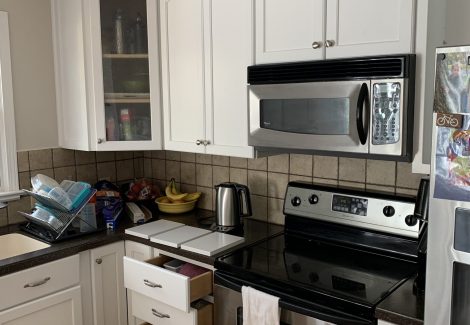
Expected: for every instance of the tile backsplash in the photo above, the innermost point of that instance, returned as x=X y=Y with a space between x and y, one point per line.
x=266 y=177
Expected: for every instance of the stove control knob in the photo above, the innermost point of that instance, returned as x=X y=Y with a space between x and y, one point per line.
x=313 y=277
x=389 y=211
x=313 y=199
x=296 y=201
x=411 y=220
x=296 y=268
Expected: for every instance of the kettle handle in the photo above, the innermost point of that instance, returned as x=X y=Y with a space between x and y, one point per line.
x=244 y=189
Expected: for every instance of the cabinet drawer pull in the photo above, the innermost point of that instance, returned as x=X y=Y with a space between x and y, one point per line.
x=38 y=283
x=152 y=284
x=158 y=314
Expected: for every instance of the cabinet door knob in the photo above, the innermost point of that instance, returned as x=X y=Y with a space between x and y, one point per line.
x=199 y=142
x=330 y=43
x=316 y=45
x=206 y=142
x=99 y=261
x=100 y=141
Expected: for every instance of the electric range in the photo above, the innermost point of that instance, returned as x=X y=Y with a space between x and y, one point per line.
x=342 y=252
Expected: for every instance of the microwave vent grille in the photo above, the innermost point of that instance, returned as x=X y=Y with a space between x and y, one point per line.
x=330 y=70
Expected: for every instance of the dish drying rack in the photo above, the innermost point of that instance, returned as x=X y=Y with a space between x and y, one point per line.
x=59 y=229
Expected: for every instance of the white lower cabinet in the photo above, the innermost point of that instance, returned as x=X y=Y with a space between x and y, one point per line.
x=382 y=322
x=63 y=307
x=108 y=293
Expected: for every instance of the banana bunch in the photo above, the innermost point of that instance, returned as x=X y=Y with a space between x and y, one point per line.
x=175 y=196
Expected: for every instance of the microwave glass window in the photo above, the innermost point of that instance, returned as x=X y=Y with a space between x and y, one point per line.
x=308 y=116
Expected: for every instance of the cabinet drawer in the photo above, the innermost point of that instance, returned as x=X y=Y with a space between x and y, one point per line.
x=156 y=312
x=152 y=280
x=38 y=281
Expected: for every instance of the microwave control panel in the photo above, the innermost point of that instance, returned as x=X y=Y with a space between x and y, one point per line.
x=386 y=112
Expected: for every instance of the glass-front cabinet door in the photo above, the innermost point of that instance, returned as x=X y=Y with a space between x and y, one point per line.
x=130 y=117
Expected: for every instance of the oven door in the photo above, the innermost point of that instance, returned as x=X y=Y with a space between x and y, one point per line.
x=228 y=306
x=320 y=116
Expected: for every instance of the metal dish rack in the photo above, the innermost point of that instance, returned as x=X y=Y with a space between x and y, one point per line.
x=55 y=230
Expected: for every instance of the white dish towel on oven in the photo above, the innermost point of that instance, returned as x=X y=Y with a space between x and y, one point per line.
x=259 y=308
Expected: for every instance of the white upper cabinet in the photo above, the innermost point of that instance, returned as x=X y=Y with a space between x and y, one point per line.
x=107 y=74
x=289 y=30
x=206 y=49
x=316 y=29
x=369 y=27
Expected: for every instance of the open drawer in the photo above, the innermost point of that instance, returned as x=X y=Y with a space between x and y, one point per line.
x=150 y=279
x=158 y=313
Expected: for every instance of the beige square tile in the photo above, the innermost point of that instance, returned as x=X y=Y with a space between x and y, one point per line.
x=123 y=155
x=24 y=179
x=65 y=173
x=63 y=157
x=361 y=186
x=173 y=155
x=125 y=170
x=405 y=178
x=138 y=154
x=297 y=178
x=275 y=213
x=48 y=172
x=159 y=169
x=148 y=154
x=103 y=156
x=381 y=172
x=406 y=191
x=386 y=189
x=23 y=204
x=239 y=175
x=188 y=157
x=352 y=169
x=188 y=188
x=188 y=173
x=258 y=163
x=204 y=175
x=84 y=157
x=301 y=165
x=203 y=159
x=87 y=173
x=107 y=171
x=205 y=201
x=138 y=167
x=258 y=182
x=278 y=164
x=220 y=174
x=23 y=161
x=260 y=207
x=173 y=170
x=159 y=154
x=325 y=167
x=277 y=184
x=40 y=159
x=238 y=162
x=220 y=160
x=148 y=168
x=3 y=217
x=325 y=181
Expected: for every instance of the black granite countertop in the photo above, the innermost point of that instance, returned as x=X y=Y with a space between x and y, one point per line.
x=402 y=306
x=254 y=230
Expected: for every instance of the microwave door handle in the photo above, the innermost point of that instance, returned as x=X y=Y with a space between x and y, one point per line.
x=362 y=101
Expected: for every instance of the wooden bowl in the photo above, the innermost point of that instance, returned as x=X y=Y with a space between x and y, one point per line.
x=175 y=208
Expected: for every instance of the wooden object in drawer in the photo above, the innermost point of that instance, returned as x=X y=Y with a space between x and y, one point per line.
x=149 y=278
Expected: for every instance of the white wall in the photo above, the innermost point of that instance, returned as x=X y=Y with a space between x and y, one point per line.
x=458 y=22
x=33 y=73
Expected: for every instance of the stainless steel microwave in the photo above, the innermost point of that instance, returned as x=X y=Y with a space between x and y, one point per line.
x=348 y=107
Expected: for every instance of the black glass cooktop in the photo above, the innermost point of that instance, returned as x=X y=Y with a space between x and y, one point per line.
x=319 y=271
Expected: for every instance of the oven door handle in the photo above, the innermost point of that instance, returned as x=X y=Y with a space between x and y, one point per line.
x=362 y=101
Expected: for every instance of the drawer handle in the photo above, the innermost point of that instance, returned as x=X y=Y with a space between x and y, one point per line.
x=158 y=314
x=152 y=284
x=38 y=283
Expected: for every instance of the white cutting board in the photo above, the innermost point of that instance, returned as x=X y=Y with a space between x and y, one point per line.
x=153 y=228
x=176 y=237
x=212 y=244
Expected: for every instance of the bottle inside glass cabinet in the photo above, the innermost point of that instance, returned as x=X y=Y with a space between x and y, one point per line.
x=125 y=70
